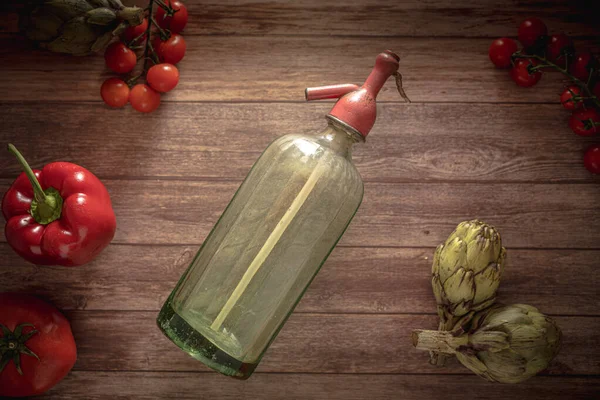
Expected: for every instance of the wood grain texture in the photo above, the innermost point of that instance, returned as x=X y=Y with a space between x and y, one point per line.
x=251 y=69
x=309 y=343
x=353 y=280
x=392 y=215
x=199 y=385
x=472 y=145
x=409 y=143
x=414 y=18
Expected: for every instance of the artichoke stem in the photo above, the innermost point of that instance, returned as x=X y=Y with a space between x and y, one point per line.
x=446 y=324
x=437 y=341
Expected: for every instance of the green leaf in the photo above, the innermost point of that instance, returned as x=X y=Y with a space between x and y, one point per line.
x=19 y=329
x=27 y=336
x=4 y=361
x=5 y=331
x=17 y=361
x=27 y=351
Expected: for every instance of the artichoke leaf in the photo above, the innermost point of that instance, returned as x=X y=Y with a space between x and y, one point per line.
x=101 y=16
x=452 y=256
x=506 y=365
x=486 y=283
x=99 y=3
x=460 y=287
x=472 y=362
x=68 y=9
x=43 y=26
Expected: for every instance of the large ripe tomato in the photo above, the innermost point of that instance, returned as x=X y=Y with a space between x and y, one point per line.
x=171 y=50
x=37 y=344
x=143 y=98
x=591 y=159
x=176 y=22
x=521 y=75
x=585 y=122
x=559 y=46
x=163 y=77
x=115 y=92
x=120 y=58
x=532 y=31
x=501 y=51
x=132 y=32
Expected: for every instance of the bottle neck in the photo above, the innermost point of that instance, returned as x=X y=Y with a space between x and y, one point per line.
x=339 y=138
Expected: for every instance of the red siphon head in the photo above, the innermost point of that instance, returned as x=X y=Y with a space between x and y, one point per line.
x=357 y=108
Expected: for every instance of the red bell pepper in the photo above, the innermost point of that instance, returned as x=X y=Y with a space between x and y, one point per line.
x=61 y=215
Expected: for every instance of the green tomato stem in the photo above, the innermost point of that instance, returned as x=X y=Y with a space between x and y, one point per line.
x=163 y=5
x=564 y=71
x=161 y=31
x=148 y=31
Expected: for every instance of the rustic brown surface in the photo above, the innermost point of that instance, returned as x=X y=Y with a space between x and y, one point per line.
x=319 y=343
x=199 y=385
x=233 y=68
x=463 y=142
x=356 y=280
x=471 y=145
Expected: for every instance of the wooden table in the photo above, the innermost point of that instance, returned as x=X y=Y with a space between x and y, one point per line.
x=472 y=144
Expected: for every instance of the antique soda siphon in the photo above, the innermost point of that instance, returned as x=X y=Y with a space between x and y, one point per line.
x=274 y=235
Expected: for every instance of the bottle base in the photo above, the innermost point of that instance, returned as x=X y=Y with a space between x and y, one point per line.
x=198 y=346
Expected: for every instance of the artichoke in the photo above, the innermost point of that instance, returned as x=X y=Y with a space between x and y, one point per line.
x=507 y=344
x=466 y=273
x=78 y=27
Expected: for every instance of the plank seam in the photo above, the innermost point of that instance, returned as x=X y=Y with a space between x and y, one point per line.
x=578 y=376
x=312 y=313
x=199 y=179
x=3 y=242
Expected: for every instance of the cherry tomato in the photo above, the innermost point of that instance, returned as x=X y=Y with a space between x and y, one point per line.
x=120 y=58
x=566 y=98
x=177 y=21
x=531 y=31
x=558 y=46
x=131 y=32
x=37 y=344
x=591 y=159
x=163 y=77
x=583 y=122
x=171 y=50
x=143 y=98
x=520 y=73
x=115 y=92
x=581 y=66
x=501 y=51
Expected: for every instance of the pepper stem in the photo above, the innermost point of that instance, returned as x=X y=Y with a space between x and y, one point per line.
x=47 y=205
x=38 y=192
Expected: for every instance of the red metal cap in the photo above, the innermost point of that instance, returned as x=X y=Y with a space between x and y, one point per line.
x=357 y=107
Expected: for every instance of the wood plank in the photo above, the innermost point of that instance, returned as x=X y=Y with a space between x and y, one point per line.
x=264 y=386
x=353 y=280
x=392 y=215
x=384 y=18
x=415 y=18
x=426 y=142
x=232 y=68
x=309 y=343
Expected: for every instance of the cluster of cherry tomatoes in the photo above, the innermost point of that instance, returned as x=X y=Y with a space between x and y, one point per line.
x=162 y=46
x=556 y=52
